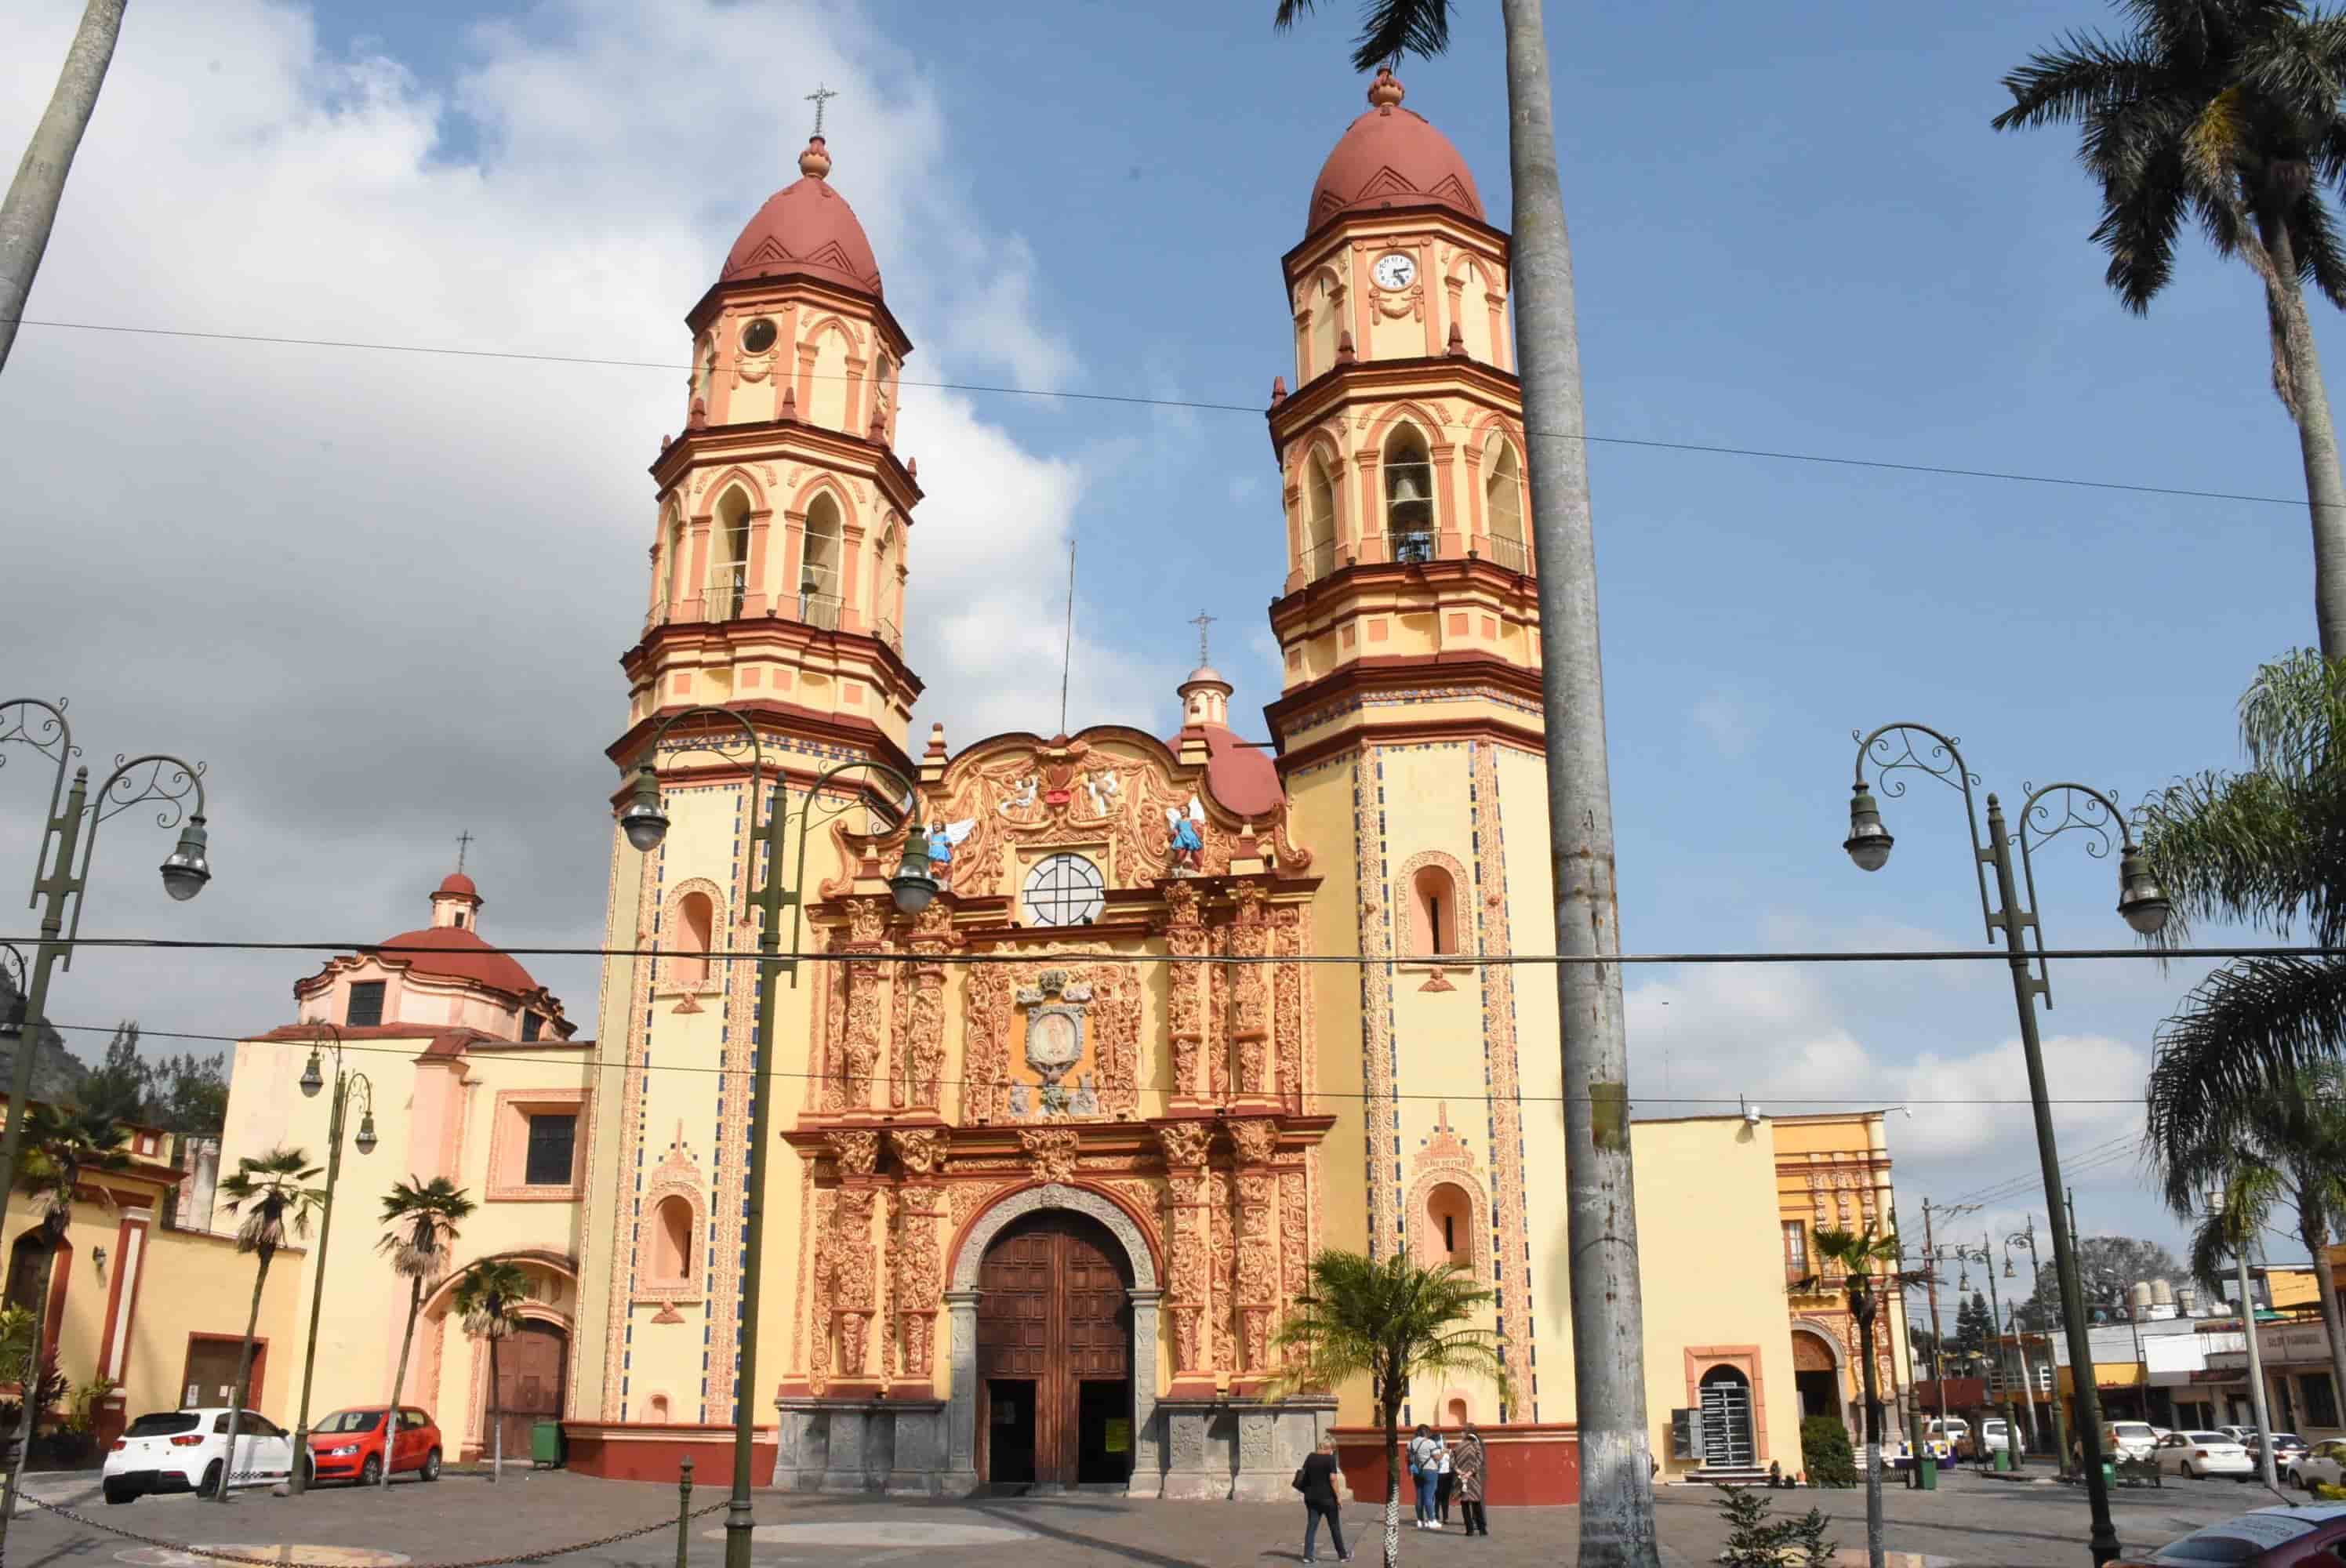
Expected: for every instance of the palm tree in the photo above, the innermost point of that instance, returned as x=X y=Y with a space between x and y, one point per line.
x=277 y=1201
x=2225 y=111
x=58 y=1148
x=422 y=1216
x=1862 y=1256
x=2265 y=845
x=1617 y=1512
x=2283 y=1149
x=31 y=209
x=489 y=1297
x=1386 y=1320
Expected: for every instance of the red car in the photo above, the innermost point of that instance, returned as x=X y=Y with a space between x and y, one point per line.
x=2307 y=1536
x=348 y=1446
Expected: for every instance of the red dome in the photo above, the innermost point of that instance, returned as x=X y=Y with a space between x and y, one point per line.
x=805 y=230
x=1242 y=777
x=457 y=882
x=1392 y=156
x=456 y=952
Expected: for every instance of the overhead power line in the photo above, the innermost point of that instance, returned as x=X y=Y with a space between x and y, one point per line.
x=1945 y=471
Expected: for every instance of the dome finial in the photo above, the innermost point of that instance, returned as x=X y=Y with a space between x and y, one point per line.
x=815 y=162
x=1386 y=90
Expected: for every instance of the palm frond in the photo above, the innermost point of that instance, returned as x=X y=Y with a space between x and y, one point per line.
x=1384 y=1320
x=2084 y=75
x=1392 y=29
x=2245 y=1031
x=2139 y=223
x=488 y=1296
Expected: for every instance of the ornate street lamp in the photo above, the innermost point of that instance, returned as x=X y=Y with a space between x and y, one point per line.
x=2141 y=902
x=644 y=820
x=1984 y=1256
x=326 y=1037
x=2236 y=1232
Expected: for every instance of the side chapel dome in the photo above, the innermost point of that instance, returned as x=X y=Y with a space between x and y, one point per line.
x=806 y=229
x=1391 y=157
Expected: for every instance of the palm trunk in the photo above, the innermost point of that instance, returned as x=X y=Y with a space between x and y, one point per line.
x=2325 y=489
x=1393 y=1485
x=1870 y=1380
x=2314 y=1230
x=496 y=1416
x=399 y=1384
x=28 y=1403
x=1616 y=1509
x=243 y=1375
x=31 y=209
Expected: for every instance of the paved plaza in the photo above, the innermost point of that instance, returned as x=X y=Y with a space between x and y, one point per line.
x=1969 y=1521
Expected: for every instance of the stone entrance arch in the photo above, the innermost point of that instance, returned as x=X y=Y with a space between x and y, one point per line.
x=961 y=1303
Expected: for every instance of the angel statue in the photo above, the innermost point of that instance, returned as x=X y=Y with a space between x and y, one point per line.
x=1104 y=789
x=1189 y=837
x=943 y=836
x=1021 y=796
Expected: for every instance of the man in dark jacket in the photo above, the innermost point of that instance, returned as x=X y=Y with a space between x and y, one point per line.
x=1318 y=1478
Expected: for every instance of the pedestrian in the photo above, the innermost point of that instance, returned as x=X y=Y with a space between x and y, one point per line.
x=1422 y=1451
x=1470 y=1465
x=1445 y=1483
x=1317 y=1481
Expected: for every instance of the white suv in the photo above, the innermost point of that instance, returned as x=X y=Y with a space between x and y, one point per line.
x=186 y=1450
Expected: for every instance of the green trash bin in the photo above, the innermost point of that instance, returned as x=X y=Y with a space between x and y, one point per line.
x=2002 y=1461
x=1926 y=1472
x=546 y=1442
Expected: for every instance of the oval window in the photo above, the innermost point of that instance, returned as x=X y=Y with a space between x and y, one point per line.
x=759 y=336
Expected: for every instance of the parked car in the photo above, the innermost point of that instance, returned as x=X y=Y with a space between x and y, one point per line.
x=348 y=1445
x=1994 y=1436
x=2322 y=1464
x=2202 y=1454
x=187 y=1451
x=2122 y=1440
x=1952 y=1430
x=2283 y=1537
x=2287 y=1446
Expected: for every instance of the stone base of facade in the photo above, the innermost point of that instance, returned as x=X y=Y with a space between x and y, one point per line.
x=897 y=1447
x=645 y=1450
x=1232 y=1449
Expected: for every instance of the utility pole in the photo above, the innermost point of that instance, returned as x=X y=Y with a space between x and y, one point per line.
x=1938 y=1345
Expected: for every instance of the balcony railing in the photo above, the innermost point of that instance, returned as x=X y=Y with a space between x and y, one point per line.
x=821 y=610
x=1319 y=561
x=886 y=630
x=1509 y=553
x=1411 y=545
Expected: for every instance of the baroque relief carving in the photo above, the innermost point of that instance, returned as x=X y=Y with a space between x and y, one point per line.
x=1052 y=1152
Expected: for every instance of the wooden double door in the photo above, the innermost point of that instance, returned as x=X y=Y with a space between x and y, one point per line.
x=531 y=1363
x=1055 y=1355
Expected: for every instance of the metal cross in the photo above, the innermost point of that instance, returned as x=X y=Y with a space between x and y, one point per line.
x=1202 y=621
x=821 y=96
x=463 y=842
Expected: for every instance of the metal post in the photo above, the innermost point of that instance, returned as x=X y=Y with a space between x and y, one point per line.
x=298 y=1483
x=1863 y=1306
x=2002 y=1371
x=683 y=1511
x=1938 y=1343
x=2013 y=919
x=2027 y=1379
x=51 y=887
x=2255 y=1375
x=769 y=898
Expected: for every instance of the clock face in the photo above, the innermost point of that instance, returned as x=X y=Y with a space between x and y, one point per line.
x=1394 y=271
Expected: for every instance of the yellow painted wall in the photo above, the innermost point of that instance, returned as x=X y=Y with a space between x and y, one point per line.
x=193 y=1283
x=1712 y=1271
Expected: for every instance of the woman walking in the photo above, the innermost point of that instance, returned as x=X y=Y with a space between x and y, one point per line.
x=1318 y=1478
x=1445 y=1481
x=1469 y=1466
x=1424 y=1458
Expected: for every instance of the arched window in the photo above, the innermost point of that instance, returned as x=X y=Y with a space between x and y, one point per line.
x=881 y=595
x=672 y=1241
x=695 y=921
x=1325 y=325
x=1458 y=1412
x=704 y=369
x=24 y=1260
x=819 y=565
x=1409 y=496
x=659 y=1410
x=826 y=399
x=1319 y=520
x=1502 y=507
x=673 y=541
x=1434 y=910
x=1450 y=1216
x=729 y=557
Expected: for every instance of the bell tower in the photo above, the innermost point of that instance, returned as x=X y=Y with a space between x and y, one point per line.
x=776 y=594
x=1410 y=730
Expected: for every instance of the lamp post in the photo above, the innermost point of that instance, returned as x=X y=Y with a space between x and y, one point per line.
x=2027 y=1239
x=1984 y=1256
x=61 y=870
x=2142 y=904
x=645 y=821
x=329 y=1038
x=2027 y=1373
x=2237 y=1231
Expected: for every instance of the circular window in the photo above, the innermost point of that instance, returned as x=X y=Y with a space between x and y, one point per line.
x=1064 y=890
x=758 y=336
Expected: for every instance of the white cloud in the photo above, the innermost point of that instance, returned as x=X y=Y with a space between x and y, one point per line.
x=1729 y=720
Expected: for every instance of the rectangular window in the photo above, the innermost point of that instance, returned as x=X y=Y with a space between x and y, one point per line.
x=366 y=1005
x=530 y=1025
x=552 y=1139
x=1796 y=1250
x=2321 y=1402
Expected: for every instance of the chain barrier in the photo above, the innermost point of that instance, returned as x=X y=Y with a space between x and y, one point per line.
x=669 y=1522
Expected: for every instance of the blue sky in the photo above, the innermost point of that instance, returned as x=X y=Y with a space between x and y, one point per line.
x=1791 y=234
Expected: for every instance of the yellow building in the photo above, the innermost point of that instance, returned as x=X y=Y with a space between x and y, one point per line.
x=1832 y=1173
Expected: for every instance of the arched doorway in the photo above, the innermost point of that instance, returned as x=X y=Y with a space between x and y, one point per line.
x=1816 y=1373
x=1726 y=1420
x=531 y=1363
x=1055 y=1355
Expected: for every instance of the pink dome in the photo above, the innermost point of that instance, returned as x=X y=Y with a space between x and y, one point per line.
x=458 y=883
x=456 y=953
x=806 y=229
x=1392 y=156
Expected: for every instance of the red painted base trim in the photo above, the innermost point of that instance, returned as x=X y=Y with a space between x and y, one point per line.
x=1527 y=1465
x=646 y=1452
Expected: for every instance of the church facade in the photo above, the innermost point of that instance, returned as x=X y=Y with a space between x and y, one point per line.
x=1053 y=1154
